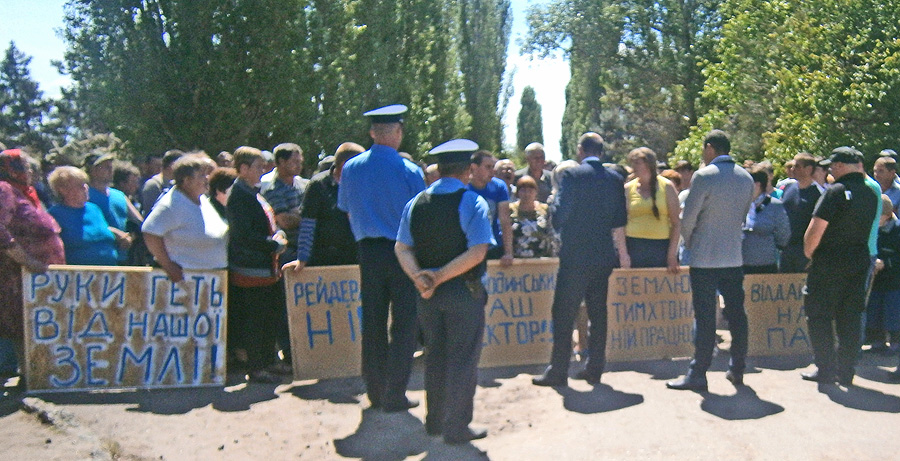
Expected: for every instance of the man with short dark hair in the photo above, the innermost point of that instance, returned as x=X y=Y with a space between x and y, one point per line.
x=800 y=197
x=159 y=183
x=590 y=215
x=711 y=225
x=283 y=188
x=441 y=245
x=885 y=172
x=837 y=243
x=375 y=187
x=325 y=236
x=494 y=191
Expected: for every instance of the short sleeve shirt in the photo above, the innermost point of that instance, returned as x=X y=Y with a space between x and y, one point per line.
x=473 y=214
x=848 y=206
x=195 y=235
x=494 y=193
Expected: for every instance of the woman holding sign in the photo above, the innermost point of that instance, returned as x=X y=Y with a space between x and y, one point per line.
x=29 y=238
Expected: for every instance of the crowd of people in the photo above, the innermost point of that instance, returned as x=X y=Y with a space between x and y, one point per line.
x=253 y=213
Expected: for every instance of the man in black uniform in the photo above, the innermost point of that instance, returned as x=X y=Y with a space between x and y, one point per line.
x=837 y=244
x=444 y=236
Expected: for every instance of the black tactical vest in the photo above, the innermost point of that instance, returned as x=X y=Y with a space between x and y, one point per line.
x=437 y=233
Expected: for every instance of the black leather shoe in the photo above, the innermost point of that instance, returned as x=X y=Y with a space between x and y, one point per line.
x=589 y=376
x=433 y=429
x=403 y=406
x=818 y=376
x=735 y=378
x=686 y=383
x=550 y=379
x=845 y=380
x=471 y=434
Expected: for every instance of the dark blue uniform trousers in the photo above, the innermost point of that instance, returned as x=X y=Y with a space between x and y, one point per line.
x=729 y=281
x=576 y=282
x=386 y=289
x=453 y=324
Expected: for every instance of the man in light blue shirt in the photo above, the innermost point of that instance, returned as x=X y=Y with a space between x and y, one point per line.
x=443 y=239
x=375 y=187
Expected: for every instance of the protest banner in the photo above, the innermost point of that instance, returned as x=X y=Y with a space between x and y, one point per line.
x=325 y=321
x=518 y=329
x=650 y=314
x=94 y=327
x=774 y=305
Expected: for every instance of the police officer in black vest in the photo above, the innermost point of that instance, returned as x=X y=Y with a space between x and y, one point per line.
x=444 y=235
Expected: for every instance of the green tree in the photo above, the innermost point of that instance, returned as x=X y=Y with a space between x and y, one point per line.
x=22 y=104
x=214 y=75
x=796 y=76
x=634 y=74
x=483 y=40
x=529 y=125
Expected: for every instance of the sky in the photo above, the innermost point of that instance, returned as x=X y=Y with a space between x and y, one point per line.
x=32 y=25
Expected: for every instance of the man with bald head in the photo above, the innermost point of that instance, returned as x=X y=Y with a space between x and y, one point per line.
x=590 y=216
x=534 y=155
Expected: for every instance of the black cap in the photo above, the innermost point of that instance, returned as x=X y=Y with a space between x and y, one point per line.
x=387 y=114
x=843 y=154
x=454 y=151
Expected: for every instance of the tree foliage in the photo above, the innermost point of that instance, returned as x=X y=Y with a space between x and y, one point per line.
x=530 y=126
x=796 y=76
x=634 y=66
x=216 y=75
x=23 y=107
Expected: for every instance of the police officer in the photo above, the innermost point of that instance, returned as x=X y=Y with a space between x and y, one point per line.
x=375 y=186
x=443 y=239
x=836 y=241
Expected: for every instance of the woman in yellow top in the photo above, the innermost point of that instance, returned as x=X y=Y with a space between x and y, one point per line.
x=654 y=225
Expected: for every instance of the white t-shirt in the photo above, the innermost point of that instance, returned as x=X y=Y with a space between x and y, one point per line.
x=196 y=237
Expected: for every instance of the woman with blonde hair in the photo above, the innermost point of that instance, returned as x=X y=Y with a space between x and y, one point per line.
x=654 y=224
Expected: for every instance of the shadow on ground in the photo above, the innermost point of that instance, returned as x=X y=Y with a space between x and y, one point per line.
x=396 y=436
x=601 y=398
x=861 y=398
x=743 y=405
x=171 y=401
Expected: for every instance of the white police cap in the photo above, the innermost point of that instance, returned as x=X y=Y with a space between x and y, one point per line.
x=387 y=114
x=454 y=151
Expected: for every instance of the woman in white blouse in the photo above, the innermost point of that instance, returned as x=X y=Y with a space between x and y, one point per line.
x=184 y=231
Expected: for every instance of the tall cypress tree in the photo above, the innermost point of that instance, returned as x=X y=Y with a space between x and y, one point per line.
x=529 y=125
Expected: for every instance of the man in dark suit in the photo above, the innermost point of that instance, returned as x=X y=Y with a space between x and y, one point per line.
x=590 y=215
x=711 y=225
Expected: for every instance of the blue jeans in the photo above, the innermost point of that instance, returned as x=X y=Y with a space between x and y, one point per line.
x=729 y=282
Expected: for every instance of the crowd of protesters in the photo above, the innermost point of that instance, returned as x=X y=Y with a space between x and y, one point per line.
x=253 y=213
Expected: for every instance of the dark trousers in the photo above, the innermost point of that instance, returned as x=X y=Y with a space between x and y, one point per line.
x=834 y=304
x=386 y=360
x=793 y=260
x=574 y=283
x=729 y=282
x=253 y=317
x=452 y=321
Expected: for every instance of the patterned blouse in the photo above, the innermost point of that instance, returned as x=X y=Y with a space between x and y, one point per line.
x=532 y=235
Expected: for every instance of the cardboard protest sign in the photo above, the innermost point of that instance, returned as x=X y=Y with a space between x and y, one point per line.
x=518 y=329
x=650 y=314
x=92 y=327
x=774 y=305
x=325 y=321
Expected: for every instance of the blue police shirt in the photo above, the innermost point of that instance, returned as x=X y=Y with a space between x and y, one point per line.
x=474 y=214
x=375 y=186
x=494 y=192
